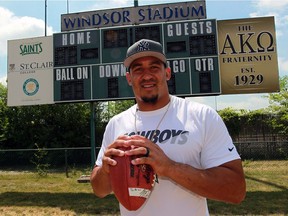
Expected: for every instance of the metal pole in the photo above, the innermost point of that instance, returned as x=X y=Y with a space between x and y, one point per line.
x=45 y=18
x=92 y=134
x=66 y=163
x=67 y=6
x=135 y=3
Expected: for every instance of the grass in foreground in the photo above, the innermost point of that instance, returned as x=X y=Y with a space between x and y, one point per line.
x=25 y=193
x=267 y=191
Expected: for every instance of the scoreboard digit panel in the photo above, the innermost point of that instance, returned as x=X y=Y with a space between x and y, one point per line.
x=73 y=90
x=179 y=83
x=115 y=43
x=76 y=48
x=109 y=82
x=190 y=38
x=65 y=56
x=202 y=45
x=205 y=75
x=72 y=84
x=191 y=49
x=152 y=32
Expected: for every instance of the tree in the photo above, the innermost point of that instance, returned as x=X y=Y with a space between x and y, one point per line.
x=57 y=125
x=280 y=100
x=279 y=107
x=115 y=107
x=231 y=119
x=3 y=109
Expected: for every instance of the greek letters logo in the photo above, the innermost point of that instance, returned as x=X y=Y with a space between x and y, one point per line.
x=143 y=46
x=30 y=87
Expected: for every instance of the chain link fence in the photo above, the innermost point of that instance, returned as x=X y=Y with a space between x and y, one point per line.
x=60 y=159
x=69 y=158
x=263 y=150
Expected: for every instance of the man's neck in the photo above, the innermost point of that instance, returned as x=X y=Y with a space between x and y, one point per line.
x=147 y=106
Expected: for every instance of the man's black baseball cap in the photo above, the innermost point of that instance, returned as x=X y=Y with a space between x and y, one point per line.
x=142 y=48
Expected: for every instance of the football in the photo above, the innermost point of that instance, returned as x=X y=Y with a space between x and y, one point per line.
x=131 y=184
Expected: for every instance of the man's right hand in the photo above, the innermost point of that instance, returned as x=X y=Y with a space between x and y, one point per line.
x=113 y=150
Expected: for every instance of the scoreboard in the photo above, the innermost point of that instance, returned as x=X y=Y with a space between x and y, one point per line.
x=88 y=64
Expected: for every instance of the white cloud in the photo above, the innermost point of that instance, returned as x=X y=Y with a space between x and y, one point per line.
x=277 y=8
x=15 y=27
x=271 y=4
x=283 y=66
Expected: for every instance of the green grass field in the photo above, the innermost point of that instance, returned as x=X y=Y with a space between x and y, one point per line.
x=26 y=193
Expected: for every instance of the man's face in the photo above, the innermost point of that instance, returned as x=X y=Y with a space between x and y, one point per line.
x=148 y=78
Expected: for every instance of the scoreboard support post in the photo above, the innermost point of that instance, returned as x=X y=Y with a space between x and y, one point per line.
x=92 y=134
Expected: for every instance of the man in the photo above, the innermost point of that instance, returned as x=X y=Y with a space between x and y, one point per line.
x=186 y=143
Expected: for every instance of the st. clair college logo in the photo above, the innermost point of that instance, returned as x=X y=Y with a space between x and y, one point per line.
x=30 y=87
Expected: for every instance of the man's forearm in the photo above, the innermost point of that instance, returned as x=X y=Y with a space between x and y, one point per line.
x=100 y=182
x=224 y=183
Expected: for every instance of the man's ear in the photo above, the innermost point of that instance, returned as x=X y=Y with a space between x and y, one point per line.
x=128 y=78
x=168 y=73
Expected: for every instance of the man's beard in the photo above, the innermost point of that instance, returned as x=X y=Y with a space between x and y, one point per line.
x=151 y=100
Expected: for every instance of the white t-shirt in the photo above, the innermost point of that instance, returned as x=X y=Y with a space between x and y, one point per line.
x=190 y=133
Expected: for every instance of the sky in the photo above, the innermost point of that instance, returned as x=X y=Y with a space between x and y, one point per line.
x=20 y=19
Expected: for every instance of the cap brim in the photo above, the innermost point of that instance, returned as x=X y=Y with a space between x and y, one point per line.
x=127 y=62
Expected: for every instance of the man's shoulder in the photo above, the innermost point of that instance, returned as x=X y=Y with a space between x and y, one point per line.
x=125 y=114
x=190 y=103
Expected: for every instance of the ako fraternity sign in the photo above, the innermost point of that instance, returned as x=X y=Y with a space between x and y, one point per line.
x=30 y=71
x=248 y=56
